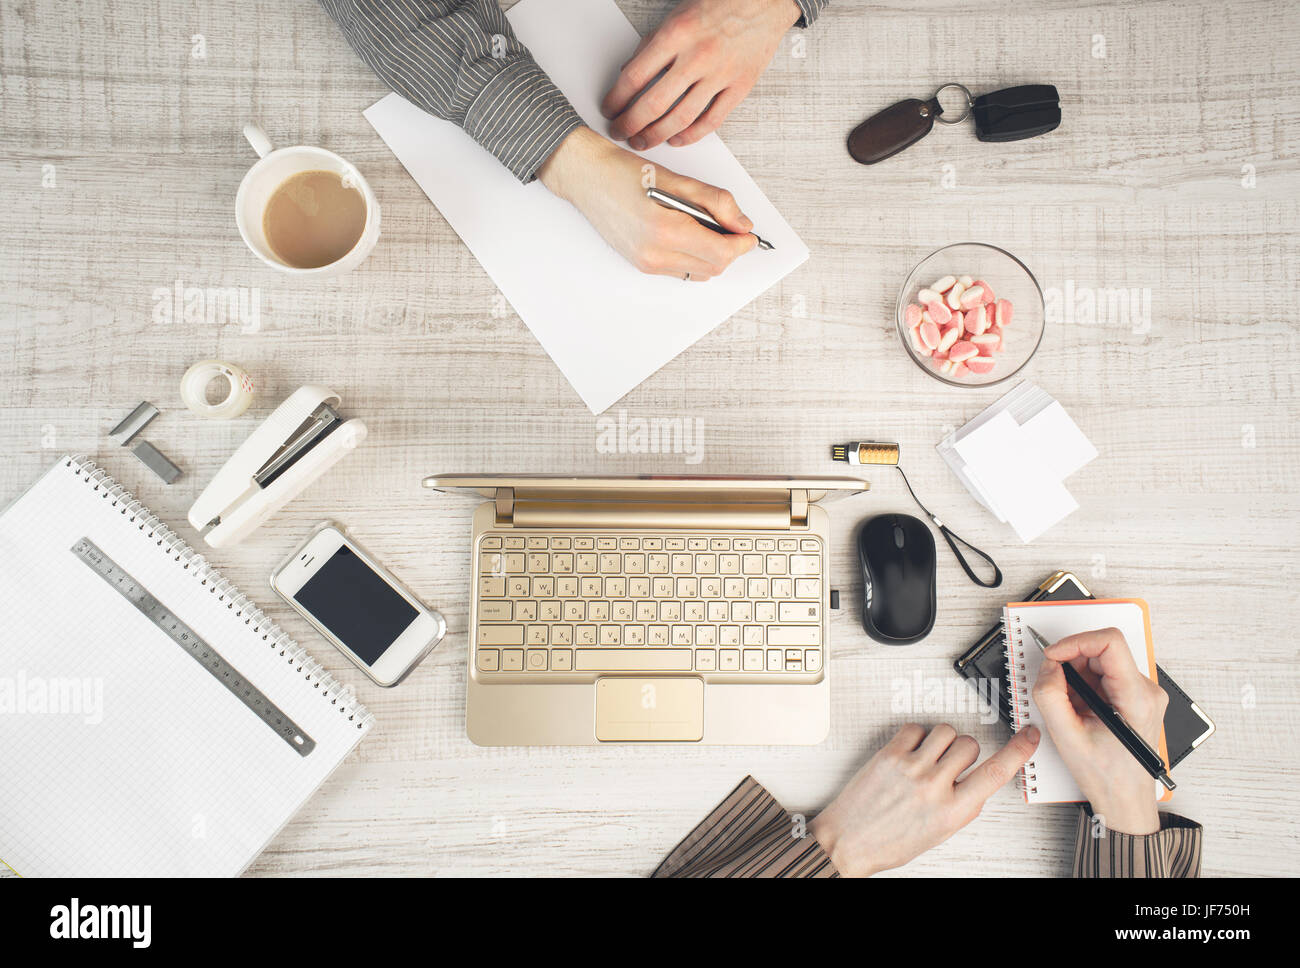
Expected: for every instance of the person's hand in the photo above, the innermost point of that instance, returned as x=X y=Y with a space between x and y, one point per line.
x=713 y=52
x=908 y=799
x=607 y=184
x=1121 y=792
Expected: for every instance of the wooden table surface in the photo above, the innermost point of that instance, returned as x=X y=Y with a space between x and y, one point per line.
x=1175 y=172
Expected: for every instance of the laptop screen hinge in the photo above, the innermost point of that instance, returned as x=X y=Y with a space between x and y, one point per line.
x=505 y=506
x=798 y=507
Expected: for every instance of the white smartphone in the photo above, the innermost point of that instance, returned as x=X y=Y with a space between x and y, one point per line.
x=353 y=601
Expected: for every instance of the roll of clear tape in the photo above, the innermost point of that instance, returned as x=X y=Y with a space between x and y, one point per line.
x=198 y=378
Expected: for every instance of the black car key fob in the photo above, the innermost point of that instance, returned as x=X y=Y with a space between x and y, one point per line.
x=1017 y=112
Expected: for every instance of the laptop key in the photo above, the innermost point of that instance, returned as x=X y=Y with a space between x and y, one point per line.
x=801 y=611
x=489 y=660
x=794 y=635
x=805 y=564
x=632 y=660
x=500 y=635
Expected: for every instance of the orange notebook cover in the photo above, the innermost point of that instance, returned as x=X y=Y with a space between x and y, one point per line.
x=1046 y=778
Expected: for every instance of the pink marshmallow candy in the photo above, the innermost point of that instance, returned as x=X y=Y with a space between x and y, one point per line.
x=939 y=312
x=962 y=351
x=912 y=316
x=972 y=297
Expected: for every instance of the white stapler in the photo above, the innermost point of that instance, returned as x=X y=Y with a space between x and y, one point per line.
x=302 y=439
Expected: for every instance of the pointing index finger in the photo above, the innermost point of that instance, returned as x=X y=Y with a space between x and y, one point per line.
x=987 y=778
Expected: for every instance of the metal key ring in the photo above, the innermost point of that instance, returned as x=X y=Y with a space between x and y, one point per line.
x=965 y=114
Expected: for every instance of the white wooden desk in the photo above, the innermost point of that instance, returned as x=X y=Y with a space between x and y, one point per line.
x=1175 y=170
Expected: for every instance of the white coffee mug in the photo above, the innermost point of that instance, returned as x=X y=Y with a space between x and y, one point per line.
x=270 y=172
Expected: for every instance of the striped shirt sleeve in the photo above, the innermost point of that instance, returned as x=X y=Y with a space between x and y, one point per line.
x=460 y=61
x=811 y=10
x=748 y=834
x=1172 y=851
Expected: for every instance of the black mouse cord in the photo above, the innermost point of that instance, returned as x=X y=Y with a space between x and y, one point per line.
x=952 y=540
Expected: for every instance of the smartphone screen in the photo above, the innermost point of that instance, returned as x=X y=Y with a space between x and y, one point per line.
x=356 y=605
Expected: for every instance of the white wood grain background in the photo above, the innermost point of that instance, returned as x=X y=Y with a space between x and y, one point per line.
x=1175 y=170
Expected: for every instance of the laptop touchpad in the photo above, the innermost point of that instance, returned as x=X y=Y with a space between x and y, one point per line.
x=665 y=710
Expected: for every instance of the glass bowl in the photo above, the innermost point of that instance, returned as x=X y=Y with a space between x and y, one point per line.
x=1009 y=278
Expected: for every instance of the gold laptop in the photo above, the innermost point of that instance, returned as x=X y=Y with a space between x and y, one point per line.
x=648 y=609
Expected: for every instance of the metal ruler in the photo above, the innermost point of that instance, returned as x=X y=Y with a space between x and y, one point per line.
x=194 y=646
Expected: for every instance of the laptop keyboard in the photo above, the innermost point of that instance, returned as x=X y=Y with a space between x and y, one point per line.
x=741 y=605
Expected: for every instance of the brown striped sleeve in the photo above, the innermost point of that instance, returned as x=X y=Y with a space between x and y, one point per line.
x=748 y=834
x=1172 y=851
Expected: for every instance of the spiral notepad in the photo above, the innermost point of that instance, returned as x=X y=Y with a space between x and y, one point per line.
x=170 y=742
x=1046 y=778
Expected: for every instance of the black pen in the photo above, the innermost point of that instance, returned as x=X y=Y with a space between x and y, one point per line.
x=1114 y=721
x=699 y=214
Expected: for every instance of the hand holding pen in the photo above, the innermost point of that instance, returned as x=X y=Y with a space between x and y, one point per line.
x=608 y=184
x=1110 y=774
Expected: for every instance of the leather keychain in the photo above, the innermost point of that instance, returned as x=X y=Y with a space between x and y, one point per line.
x=1007 y=115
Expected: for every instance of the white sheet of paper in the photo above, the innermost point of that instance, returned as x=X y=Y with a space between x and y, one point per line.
x=1021 y=486
x=1057 y=440
x=607 y=326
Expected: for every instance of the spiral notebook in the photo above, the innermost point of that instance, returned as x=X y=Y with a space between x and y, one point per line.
x=153 y=721
x=1046 y=778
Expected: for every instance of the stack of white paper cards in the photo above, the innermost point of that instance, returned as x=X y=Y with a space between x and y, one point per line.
x=1015 y=456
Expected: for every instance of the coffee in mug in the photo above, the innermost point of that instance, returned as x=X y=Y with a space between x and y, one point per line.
x=314 y=218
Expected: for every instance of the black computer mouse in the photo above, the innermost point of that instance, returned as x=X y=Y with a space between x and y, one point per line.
x=896 y=552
